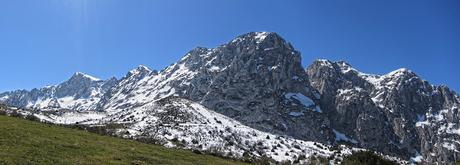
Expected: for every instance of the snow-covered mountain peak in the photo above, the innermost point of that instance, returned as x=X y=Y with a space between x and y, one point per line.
x=323 y=62
x=80 y=75
x=143 y=67
x=402 y=72
x=140 y=70
x=346 y=67
x=260 y=36
x=394 y=78
x=343 y=64
x=335 y=68
x=262 y=40
x=258 y=47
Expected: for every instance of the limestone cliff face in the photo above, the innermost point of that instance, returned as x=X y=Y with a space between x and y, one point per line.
x=397 y=113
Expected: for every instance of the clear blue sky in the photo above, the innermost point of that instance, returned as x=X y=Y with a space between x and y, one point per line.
x=43 y=42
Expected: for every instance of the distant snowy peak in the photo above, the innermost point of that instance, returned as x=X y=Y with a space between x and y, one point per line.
x=140 y=70
x=83 y=76
x=401 y=73
x=339 y=66
x=391 y=78
x=400 y=81
x=258 y=37
x=262 y=40
x=255 y=36
x=80 y=92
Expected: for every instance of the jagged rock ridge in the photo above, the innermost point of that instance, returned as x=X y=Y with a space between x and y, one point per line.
x=398 y=113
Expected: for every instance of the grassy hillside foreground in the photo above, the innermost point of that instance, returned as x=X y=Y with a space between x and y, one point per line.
x=28 y=142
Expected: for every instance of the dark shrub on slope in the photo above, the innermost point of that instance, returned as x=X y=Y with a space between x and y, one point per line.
x=366 y=158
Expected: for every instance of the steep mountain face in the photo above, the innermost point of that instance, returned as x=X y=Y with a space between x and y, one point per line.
x=397 y=113
x=80 y=92
x=262 y=84
x=255 y=85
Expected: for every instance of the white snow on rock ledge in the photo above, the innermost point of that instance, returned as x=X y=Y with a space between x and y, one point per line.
x=296 y=114
x=342 y=137
x=302 y=99
x=260 y=36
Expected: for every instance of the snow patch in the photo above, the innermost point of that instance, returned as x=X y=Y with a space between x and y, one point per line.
x=267 y=49
x=304 y=100
x=214 y=69
x=260 y=36
x=324 y=62
x=272 y=68
x=416 y=159
x=450 y=147
x=399 y=72
x=296 y=114
x=342 y=137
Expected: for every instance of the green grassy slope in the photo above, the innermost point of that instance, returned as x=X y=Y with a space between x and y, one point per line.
x=27 y=142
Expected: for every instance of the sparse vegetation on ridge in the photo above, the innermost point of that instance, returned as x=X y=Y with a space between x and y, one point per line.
x=29 y=142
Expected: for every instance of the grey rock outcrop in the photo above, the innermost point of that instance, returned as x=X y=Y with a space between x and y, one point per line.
x=398 y=113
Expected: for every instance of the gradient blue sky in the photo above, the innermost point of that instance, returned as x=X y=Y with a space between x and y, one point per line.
x=43 y=42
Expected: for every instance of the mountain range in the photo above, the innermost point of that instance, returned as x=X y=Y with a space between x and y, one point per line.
x=251 y=97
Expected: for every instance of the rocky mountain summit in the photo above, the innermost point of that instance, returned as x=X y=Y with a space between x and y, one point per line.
x=256 y=85
x=394 y=113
